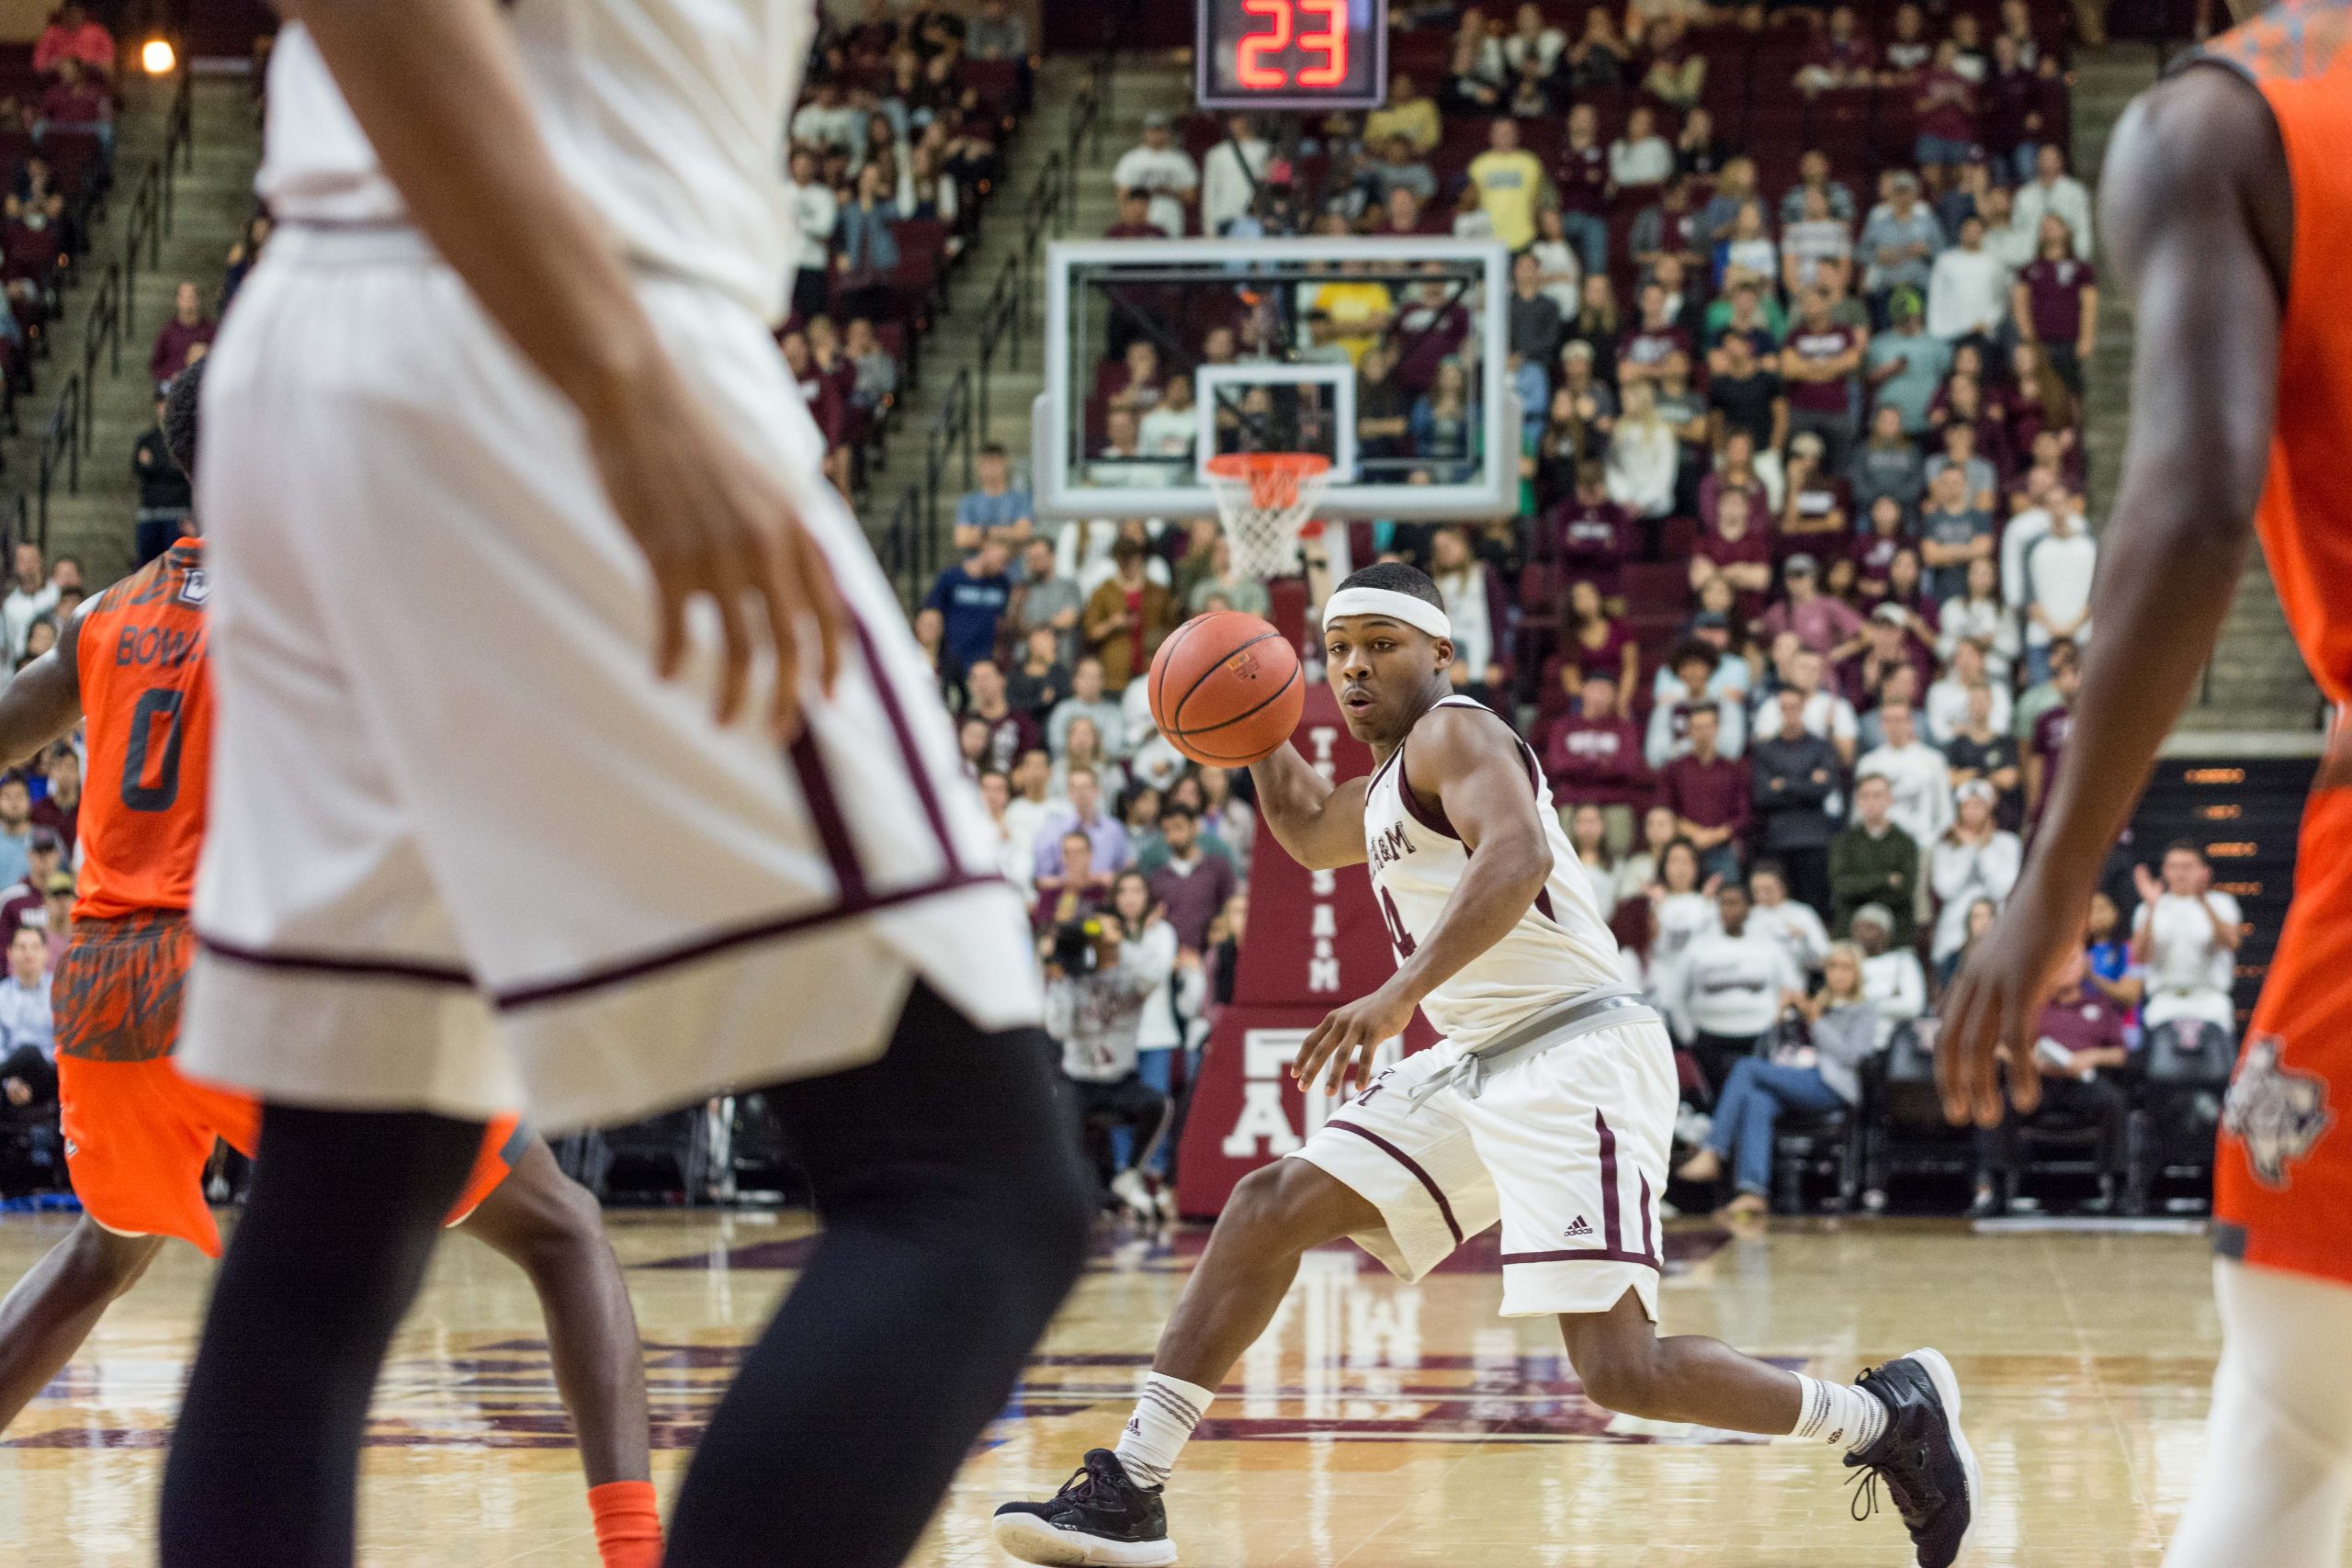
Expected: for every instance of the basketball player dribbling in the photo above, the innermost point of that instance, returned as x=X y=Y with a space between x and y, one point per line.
x=512 y=509
x=132 y=667
x=1549 y=1105
x=2227 y=203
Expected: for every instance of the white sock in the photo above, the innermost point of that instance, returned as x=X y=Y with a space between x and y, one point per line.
x=1839 y=1414
x=1162 y=1426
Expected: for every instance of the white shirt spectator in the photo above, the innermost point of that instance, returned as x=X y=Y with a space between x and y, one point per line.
x=1682 y=918
x=2021 y=533
x=1465 y=592
x=25 y=1017
x=815 y=210
x=1649 y=161
x=20 y=610
x=1796 y=927
x=1895 y=985
x=1989 y=623
x=1661 y=745
x=1562 y=270
x=1968 y=293
x=1947 y=706
x=1547 y=45
x=1730 y=986
x=2189 y=973
x=1825 y=712
x=2066 y=195
x=1164 y=432
x=1168 y=174
x=2058 y=570
x=1641 y=466
x=840 y=126
x=1229 y=181
x=1920 y=781
x=1960 y=874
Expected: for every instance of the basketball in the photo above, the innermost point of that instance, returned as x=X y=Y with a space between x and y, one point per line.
x=1226 y=689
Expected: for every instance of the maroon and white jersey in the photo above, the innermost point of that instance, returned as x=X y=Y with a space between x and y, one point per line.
x=1560 y=946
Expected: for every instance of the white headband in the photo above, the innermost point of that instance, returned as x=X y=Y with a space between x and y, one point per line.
x=1418 y=613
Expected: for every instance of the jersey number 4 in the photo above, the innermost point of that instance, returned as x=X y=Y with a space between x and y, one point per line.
x=1397 y=935
x=156 y=709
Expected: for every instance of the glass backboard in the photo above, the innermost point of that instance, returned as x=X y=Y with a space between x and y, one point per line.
x=1387 y=357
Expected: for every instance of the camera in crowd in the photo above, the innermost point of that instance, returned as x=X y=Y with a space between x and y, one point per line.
x=1077 y=947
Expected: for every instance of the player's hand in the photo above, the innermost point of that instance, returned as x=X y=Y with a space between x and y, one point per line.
x=1995 y=1003
x=713 y=524
x=1346 y=1040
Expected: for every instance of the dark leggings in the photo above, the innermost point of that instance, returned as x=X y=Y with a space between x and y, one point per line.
x=955 y=1219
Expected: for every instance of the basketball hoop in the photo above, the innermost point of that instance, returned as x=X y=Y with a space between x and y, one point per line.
x=1267 y=500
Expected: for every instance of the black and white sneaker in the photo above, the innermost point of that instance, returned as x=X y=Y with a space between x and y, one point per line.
x=1930 y=1471
x=1100 y=1518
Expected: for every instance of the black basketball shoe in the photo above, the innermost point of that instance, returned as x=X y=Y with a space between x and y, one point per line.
x=1930 y=1469
x=1100 y=1518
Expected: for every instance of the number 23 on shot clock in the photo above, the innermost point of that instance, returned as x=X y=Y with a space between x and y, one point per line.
x=1292 y=54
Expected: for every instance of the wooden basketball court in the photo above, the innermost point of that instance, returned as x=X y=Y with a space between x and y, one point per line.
x=1378 y=1426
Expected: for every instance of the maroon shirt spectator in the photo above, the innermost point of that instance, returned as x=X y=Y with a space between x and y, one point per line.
x=1581 y=176
x=29 y=249
x=1822 y=624
x=1645 y=345
x=1811 y=345
x=1594 y=757
x=1593 y=535
x=60 y=810
x=2053 y=287
x=1704 y=788
x=1432 y=329
x=1946 y=104
x=1194 y=883
x=2081 y=1019
x=187 y=327
x=1011 y=731
x=25 y=899
x=1593 y=644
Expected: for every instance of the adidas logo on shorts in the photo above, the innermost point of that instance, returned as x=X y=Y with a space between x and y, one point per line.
x=1579 y=1228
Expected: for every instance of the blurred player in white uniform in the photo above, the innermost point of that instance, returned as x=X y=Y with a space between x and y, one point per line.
x=1548 y=1106
x=573 y=754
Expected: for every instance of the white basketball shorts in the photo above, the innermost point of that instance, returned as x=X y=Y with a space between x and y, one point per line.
x=466 y=854
x=1568 y=1147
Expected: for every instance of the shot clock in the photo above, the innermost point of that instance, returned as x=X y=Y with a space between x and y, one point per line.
x=1292 y=54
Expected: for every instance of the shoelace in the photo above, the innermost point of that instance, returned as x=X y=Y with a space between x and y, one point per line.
x=1863 y=1503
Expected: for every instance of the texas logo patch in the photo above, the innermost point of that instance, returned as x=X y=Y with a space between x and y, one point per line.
x=2278 y=1114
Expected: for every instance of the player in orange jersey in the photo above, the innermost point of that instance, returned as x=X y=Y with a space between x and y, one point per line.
x=2228 y=205
x=131 y=666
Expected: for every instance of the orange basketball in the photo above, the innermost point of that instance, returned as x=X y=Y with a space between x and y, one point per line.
x=1226 y=689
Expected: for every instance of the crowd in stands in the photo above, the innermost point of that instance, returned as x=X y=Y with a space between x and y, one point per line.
x=1803 y=301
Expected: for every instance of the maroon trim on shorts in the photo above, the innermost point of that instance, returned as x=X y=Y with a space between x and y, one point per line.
x=1543 y=905
x=354 y=967
x=926 y=790
x=1582 y=1255
x=1649 y=1243
x=1437 y=1193
x=1612 y=1228
x=825 y=816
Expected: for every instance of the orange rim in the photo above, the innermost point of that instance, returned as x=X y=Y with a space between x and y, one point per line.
x=1274 y=477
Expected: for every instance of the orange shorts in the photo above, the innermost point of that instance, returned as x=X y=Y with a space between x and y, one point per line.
x=2282 y=1188
x=137 y=1134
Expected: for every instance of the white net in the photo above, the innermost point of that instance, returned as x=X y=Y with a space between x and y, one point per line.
x=1267 y=500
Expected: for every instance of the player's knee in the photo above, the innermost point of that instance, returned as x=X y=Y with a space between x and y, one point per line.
x=1627 y=1378
x=1274 y=1207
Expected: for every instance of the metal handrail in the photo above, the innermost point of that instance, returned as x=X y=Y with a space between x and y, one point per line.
x=61 y=447
x=71 y=431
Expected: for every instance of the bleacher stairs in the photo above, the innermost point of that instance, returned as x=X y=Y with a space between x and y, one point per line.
x=210 y=199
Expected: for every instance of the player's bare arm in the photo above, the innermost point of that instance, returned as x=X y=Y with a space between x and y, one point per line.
x=2193 y=199
x=42 y=702
x=1318 y=823
x=1470 y=767
x=436 y=86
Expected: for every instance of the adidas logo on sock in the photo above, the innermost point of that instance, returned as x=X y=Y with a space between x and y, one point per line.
x=1134 y=1426
x=1579 y=1228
